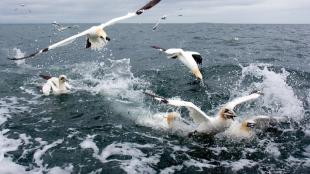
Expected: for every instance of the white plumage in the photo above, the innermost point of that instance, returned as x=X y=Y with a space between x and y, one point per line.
x=190 y=59
x=56 y=85
x=96 y=36
x=206 y=124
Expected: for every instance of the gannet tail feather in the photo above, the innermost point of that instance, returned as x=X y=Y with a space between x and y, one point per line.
x=46 y=77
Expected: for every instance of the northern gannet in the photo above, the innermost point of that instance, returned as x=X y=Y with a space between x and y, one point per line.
x=245 y=129
x=61 y=28
x=188 y=58
x=55 y=85
x=164 y=17
x=96 y=36
x=206 y=124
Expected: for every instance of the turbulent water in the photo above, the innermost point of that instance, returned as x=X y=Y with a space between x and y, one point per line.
x=107 y=124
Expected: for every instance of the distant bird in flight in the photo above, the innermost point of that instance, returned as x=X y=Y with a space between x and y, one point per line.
x=189 y=58
x=55 y=85
x=61 y=28
x=96 y=36
x=158 y=22
x=206 y=124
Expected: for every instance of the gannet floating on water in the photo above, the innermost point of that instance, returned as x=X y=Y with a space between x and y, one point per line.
x=96 y=36
x=245 y=128
x=55 y=85
x=61 y=28
x=188 y=58
x=206 y=124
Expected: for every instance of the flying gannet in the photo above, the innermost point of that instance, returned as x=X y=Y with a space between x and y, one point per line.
x=164 y=17
x=61 y=28
x=55 y=85
x=188 y=58
x=206 y=124
x=96 y=36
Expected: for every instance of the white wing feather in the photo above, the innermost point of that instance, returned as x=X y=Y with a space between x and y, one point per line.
x=231 y=105
x=68 y=40
x=113 y=21
x=195 y=112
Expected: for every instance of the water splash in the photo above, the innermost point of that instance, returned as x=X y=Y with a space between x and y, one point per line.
x=279 y=97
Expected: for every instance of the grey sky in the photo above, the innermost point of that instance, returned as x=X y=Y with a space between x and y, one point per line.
x=214 y=11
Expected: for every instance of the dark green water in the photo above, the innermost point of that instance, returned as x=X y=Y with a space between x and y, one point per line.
x=107 y=125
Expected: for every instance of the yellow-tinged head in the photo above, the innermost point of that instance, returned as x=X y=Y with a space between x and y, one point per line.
x=197 y=73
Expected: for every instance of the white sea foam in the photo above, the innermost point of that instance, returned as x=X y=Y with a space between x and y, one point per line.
x=278 y=97
x=139 y=161
x=273 y=150
x=238 y=165
x=171 y=169
x=18 y=54
x=199 y=164
x=38 y=154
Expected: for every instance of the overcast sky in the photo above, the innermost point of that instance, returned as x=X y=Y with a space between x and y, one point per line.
x=212 y=11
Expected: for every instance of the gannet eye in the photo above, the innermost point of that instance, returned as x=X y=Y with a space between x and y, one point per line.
x=250 y=125
x=101 y=37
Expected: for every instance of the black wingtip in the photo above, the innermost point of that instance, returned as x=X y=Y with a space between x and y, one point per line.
x=46 y=77
x=147 y=6
x=30 y=56
x=158 y=48
x=256 y=92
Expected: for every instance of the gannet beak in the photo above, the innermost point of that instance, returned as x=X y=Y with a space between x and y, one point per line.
x=250 y=125
x=228 y=114
x=197 y=73
x=107 y=38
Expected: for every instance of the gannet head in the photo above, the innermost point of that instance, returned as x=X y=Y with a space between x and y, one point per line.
x=228 y=114
x=63 y=78
x=197 y=73
x=102 y=35
x=248 y=125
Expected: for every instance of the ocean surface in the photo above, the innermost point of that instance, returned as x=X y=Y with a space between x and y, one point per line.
x=107 y=125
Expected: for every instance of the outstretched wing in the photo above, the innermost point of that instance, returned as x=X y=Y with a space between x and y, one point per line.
x=195 y=112
x=149 y=5
x=69 y=40
x=232 y=104
x=55 y=45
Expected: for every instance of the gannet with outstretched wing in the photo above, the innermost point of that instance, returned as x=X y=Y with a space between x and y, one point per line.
x=206 y=124
x=96 y=36
x=188 y=58
x=55 y=85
